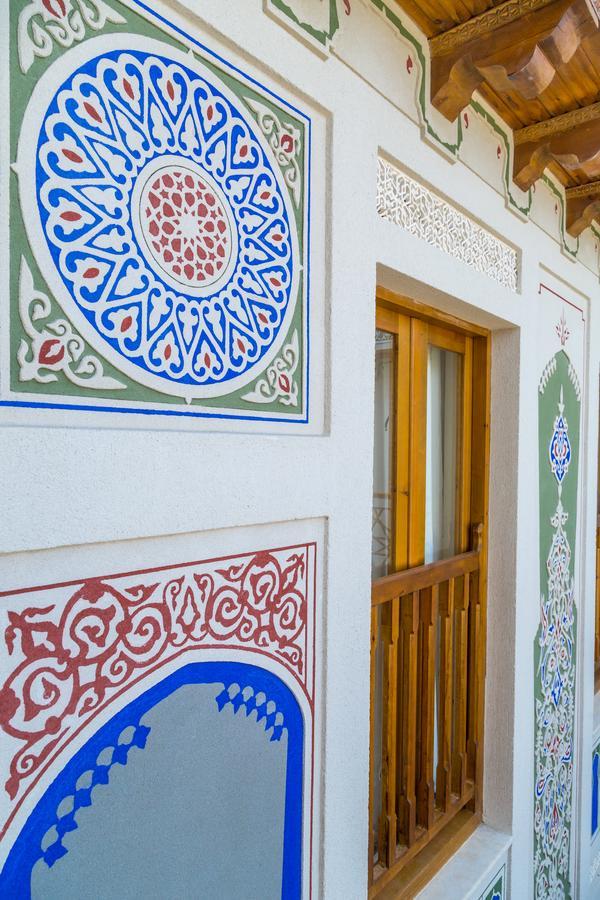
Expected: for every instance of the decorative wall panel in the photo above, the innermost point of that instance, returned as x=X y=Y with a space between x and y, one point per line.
x=556 y=640
x=159 y=222
x=82 y=666
x=412 y=206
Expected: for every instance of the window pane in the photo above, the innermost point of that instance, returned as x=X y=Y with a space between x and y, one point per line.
x=443 y=419
x=381 y=552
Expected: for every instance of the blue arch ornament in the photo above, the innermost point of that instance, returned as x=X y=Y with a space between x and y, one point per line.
x=277 y=709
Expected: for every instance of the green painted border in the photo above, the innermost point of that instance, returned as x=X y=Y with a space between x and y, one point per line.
x=21 y=88
x=322 y=37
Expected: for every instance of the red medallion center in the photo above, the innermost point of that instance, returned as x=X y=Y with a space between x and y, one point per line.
x=185 y=226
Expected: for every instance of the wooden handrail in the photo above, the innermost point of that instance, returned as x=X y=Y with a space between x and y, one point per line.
x=402 y=583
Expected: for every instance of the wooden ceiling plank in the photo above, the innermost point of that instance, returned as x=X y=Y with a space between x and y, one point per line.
x=477 y=7
x=428 y=15
x=524 y=112
x=564 y=177
x=578 y=77
x=510 y=112
x=456 y=11
x=560 y=96
x=420 y=17
x=590 y=52
x=546 y=106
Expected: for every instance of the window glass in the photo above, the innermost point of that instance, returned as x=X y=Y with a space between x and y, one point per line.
x=381 y=552
x=443 y=415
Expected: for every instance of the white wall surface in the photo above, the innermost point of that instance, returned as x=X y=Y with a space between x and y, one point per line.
x=66 y=486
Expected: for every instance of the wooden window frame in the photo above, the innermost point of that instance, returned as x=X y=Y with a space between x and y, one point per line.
x=413 y=599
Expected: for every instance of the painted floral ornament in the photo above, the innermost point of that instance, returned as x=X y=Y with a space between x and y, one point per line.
x=53 y=346
x=46 y=23
x=560 y=446
x=279 y=382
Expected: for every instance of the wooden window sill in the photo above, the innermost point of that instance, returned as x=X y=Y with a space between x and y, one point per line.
x=418 y=872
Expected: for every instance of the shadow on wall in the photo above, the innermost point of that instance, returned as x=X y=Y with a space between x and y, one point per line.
x=193 y=790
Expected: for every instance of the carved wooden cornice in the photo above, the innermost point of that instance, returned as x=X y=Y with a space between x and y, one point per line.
x=583 y=190
x=557 y=125
x=483 y=24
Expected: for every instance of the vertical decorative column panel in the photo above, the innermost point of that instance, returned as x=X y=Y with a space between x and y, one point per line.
x=555 y=642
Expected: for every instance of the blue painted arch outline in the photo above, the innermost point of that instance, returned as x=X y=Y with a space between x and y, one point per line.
x=15 y=879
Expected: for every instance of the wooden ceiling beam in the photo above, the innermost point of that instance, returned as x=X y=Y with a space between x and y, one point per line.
x=583 y=207
x=518 y=45
x=572 y=140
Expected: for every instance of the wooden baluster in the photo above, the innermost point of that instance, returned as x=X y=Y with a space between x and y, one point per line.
x=408 y=744
x=385 y=635
x=444 y=767
x=392 y=720
x=427 y=642
x=474 y=684
x=372 y=725
x=461 y=647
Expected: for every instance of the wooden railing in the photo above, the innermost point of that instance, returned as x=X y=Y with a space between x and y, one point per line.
x=427 y=672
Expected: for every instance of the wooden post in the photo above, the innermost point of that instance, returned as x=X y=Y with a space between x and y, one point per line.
x=444 y=766
x=427 y=653
x=410 y=625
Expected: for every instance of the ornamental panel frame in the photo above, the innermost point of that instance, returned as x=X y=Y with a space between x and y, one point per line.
x=275 y=586
x=236 y=359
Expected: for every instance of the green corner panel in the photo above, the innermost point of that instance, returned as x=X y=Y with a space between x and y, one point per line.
x=496 y=890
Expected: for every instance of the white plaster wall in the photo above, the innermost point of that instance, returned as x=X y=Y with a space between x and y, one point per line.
x=65 y=486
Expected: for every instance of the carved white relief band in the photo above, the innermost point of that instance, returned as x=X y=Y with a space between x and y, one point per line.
x=405 y=202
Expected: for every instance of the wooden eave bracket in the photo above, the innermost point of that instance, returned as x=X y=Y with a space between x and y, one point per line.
x=583 y=207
